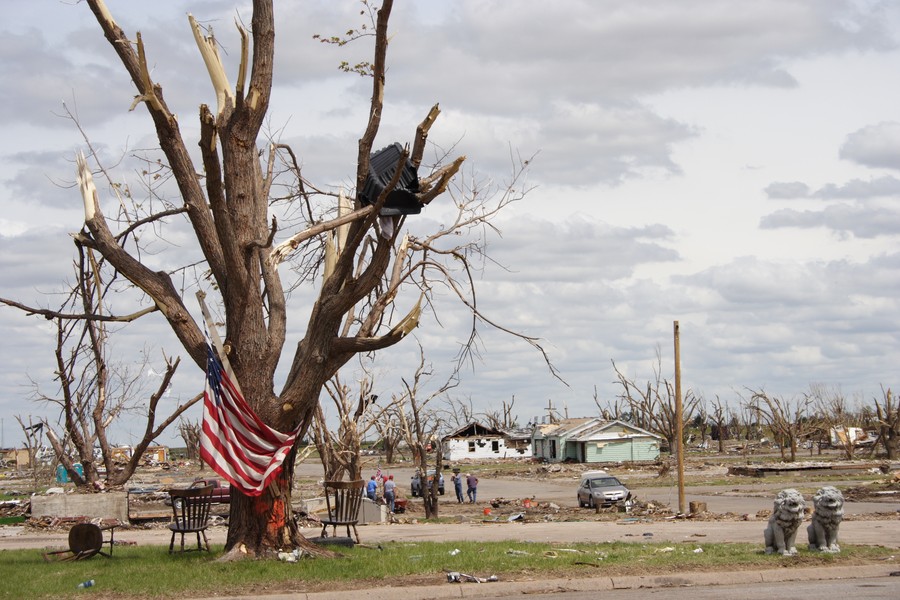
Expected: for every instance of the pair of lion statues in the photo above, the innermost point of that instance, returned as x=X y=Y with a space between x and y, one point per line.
x=788 y=513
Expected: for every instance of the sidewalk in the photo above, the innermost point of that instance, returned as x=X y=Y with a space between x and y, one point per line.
x=590 y=584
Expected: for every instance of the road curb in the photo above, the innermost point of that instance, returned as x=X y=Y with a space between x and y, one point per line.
x=588 y=584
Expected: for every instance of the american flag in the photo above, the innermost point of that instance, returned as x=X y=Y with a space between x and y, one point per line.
x=234 y=442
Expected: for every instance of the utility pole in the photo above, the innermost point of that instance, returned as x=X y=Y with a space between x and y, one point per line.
x=679 y=422
x=550 y=411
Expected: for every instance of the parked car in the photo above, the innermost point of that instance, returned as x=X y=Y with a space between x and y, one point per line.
x=221 y=493
x=415 y=484
x=599 y=488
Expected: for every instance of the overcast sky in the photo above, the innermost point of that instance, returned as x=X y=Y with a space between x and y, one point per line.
x=730 y=165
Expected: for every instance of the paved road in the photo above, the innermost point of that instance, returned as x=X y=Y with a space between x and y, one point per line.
x=870 y=581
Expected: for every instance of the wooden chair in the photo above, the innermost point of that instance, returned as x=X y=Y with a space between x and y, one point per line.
x=85 y=541
x=343 y=500
x=190 y=514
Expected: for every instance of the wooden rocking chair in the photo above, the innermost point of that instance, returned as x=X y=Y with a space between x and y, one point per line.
x=343 y=500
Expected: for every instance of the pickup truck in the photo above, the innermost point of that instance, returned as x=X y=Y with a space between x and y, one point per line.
x=415 y=484
x=221 y=493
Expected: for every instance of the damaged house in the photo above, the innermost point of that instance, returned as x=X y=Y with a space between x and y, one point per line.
x=594 y=440
x=476 y=441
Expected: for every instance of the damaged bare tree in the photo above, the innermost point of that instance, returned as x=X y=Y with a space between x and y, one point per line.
x=887 y=412
x=788 y=419
x=190 y=434
x=420 y=425
x=651 y=405
x=94 y=393
x=366 y=262
x=339 y=450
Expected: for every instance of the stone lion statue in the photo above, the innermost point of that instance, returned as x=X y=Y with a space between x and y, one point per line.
x=787 y=514
x=828 y=506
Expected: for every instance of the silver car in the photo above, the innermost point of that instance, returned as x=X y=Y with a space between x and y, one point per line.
x=599 y=488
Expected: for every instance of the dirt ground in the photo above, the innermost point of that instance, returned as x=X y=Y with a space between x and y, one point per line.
x=524 y=491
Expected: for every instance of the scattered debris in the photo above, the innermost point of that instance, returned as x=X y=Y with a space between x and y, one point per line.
x=290 y=557
x=457 y=577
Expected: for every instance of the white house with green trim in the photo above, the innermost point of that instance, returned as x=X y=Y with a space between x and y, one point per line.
x=594 y=440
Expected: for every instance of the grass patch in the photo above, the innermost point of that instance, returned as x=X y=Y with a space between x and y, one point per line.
x=150 y=572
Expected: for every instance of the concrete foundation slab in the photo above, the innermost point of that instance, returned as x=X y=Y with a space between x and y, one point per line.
x=109 y=505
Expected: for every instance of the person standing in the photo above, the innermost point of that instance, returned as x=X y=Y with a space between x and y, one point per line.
x=371 y=488
x=456 y=478
x=389 y=487
x=472 y=488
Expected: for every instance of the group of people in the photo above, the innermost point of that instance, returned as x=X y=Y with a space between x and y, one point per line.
x=471 y=486
x=389 y=490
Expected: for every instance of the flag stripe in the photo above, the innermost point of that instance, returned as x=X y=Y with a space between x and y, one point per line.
x=234 y=441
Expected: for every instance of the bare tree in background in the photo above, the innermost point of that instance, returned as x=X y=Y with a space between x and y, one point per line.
x=33 y=434
x=720 y=421
x=93 y=392
x=390 y=435
x=611 y=410
x=339 y=450
x=235 y=204
x=887 y=411
x=702 y=420
x=503 y=418
x=421 y=426
x=652 y=404
x=787 y=419
x=833 y=412
x=458 y=412
x=190 y=434
x=746 y=421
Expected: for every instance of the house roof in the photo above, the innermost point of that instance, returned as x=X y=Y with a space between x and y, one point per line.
x=603 y=431
x=592 y=429
x=473 y=429
x=522 y=433
x=565 y=426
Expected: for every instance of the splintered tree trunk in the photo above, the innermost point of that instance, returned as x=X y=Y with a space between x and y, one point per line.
x=260 y=525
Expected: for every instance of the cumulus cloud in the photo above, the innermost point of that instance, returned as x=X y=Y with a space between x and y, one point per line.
x=844 y=219
x=874 y=146
x=787 y=190
x=859 y=189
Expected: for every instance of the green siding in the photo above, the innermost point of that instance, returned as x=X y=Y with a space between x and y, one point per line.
x=622 y=451
x=646 y=450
